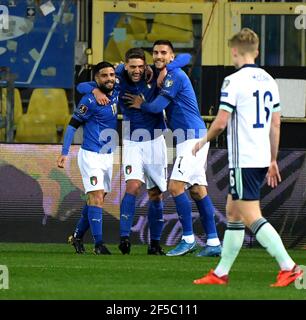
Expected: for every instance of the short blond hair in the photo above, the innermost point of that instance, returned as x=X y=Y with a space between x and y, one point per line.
x=246 y=41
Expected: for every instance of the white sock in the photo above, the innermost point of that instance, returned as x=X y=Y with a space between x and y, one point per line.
x=189 y=239
x=268 y=237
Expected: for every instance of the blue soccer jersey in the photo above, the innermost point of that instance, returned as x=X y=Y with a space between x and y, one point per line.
x=99 y=123
x=139 y=121
x=177 y=97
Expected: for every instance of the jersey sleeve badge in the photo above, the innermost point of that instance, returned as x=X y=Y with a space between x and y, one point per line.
x=168 y=83
x=225 y=84
x=83 y=109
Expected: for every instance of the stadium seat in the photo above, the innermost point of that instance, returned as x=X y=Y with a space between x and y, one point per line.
x=17 y=109
x=174 y=27
x=51 y=103
x=36 y=129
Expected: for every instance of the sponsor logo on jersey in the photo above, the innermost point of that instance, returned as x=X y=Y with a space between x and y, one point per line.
x=225 y=84
x=128 y=169
x=93 y=180
x=83 y=109
x=168 y=83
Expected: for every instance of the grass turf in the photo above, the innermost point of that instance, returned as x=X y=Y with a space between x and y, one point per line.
x=54 y=271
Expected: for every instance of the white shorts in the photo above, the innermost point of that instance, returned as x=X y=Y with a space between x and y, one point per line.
x=189 y=168
x=96 y=170
x=146 y=161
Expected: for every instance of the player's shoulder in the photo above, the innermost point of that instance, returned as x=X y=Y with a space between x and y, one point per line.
x=88 y=101
x=175 y=76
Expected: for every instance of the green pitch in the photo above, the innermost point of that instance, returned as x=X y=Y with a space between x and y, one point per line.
x=54 y=271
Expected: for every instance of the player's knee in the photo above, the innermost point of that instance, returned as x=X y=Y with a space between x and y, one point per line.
x=155 y=194
x=197 y=192
x=96 y=198
x=133 y=187
x=175 y=188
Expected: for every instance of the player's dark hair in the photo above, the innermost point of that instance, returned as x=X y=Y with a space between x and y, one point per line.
x=135 y=53
x=165 y=43
x=101 y=65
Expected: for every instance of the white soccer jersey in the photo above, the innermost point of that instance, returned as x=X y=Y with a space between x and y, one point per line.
x=251 y=95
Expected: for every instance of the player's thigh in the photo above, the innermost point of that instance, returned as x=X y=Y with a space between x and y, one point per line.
x=107 y=163
x=155 y=151
x=132 y=161
x=244 y=188
x=96 y=170
x=156 y=168
x=190 y=168
x=245 y=183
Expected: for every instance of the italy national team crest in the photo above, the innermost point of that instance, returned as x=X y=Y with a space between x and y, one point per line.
x=93 y=180
x=168 y=83
x=128 y=169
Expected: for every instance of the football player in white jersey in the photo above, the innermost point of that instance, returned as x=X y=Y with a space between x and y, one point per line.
x=249 y=108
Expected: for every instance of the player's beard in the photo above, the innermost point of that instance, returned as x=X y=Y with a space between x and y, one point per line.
x=106 y=89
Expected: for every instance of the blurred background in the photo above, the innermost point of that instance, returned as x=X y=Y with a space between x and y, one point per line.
x=47 y=47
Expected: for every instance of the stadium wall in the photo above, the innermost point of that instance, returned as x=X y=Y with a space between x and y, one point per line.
x=41 y=203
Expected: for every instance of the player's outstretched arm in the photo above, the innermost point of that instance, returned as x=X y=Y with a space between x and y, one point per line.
x=86 y=87
x=68 y=138
x=216 y=128
x=138 y=102
x=91 y=87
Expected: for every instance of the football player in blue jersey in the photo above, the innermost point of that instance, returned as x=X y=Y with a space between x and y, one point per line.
x=144 y=147
x=95 y=157
x=178 y=99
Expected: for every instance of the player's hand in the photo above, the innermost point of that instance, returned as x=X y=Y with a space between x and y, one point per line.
x=273 y=175
x=199 y=145
x=148 y=73
x=160 y=79
x=61 y=160
x=133 y=101
x=100 y=97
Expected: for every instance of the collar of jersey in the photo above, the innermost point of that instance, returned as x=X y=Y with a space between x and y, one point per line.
x=250 y=65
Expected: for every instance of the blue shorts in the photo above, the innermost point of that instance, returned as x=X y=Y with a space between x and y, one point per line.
x=245 y=183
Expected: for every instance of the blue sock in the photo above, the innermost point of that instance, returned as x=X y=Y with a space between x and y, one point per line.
x=83 y=224
x=183 y=208
x=155 y=219
x=207 y=215
x=127 y=212
x=95 y=222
